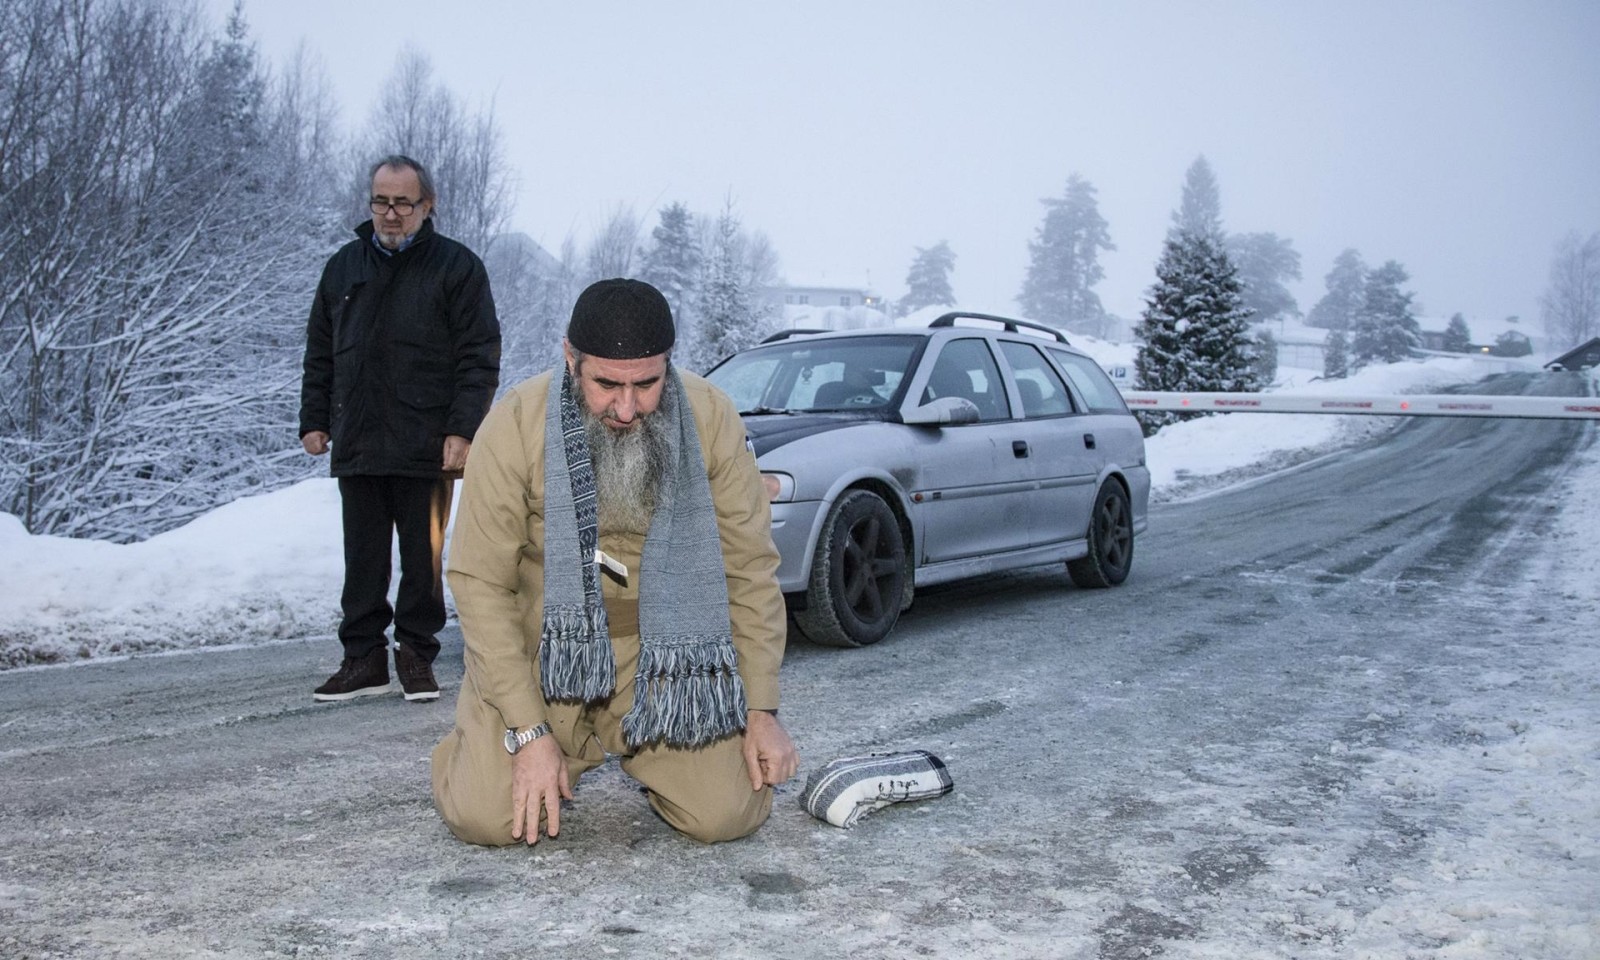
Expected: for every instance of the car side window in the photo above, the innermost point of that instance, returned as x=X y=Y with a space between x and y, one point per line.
x=966 y=368
x=1098 y=391
x=1042 y=390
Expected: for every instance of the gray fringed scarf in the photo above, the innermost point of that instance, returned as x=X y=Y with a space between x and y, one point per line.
x=687 y=691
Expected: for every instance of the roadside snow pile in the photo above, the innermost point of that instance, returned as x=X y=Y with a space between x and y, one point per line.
x=257 y=569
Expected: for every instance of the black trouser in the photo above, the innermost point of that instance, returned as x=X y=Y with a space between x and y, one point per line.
x=375 y=509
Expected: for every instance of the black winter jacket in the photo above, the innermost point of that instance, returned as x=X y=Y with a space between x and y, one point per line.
x=401 y=351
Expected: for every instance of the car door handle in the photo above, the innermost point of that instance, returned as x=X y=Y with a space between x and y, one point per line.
x=1088 y=441
x=1019 y=448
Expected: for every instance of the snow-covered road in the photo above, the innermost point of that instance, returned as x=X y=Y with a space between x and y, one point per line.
x=1346 y=711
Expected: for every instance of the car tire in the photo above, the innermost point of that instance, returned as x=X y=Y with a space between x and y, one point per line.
x=858 y=576
x=1110 y=540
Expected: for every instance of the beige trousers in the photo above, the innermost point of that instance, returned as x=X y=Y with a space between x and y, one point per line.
x=703 y=793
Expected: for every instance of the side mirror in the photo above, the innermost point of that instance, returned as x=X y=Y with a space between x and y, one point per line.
x=945 y=410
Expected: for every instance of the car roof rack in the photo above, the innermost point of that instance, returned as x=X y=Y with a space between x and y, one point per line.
x=1011 y=325
x=796 y=332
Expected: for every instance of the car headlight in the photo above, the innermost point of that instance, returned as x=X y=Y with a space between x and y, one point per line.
x=780 y=487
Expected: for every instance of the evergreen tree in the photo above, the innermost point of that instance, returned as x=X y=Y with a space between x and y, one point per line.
x=1266 y=261
x=729 y=320
x=1266 y=363
x=671 y=262
x=1385 y=330
x=1346 y=289
x=223 y=117
x=1064 y=262
x=1195 y=331
x=928 y=282
x=1336 y=355
x=1200 y=211
x=1457 y=338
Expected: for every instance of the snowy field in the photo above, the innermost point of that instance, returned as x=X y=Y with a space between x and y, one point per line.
x=268 y=568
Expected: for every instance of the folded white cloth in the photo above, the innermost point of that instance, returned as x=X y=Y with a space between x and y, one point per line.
x=845 y=790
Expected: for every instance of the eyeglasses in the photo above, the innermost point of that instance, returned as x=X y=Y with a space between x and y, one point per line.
x=402 y=207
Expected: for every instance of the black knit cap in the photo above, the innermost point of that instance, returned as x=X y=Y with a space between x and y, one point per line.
x=621 y=319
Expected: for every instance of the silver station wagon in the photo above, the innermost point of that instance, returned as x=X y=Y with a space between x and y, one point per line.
x=903 y=457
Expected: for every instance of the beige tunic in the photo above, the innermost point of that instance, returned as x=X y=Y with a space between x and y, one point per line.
x=496 y=574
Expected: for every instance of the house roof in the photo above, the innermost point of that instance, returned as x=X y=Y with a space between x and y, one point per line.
x=1587 y=350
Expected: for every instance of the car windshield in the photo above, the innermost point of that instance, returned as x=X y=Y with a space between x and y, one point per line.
x=849 y=373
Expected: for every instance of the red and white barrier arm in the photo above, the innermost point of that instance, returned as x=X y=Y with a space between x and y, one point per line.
x=1406 y=405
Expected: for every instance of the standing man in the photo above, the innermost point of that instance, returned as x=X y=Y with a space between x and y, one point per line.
x=402 y=360
x=616 y=579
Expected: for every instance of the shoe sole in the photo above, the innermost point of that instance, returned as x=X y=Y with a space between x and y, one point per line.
x=363 y=692
x=423 y=695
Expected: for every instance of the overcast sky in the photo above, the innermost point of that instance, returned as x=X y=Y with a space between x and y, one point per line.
x=1459 y=137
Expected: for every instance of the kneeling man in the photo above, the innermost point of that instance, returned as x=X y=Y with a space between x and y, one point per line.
x=615 y=576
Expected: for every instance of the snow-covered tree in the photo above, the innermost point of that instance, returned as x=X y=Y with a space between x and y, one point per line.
x=1457 y=338
x=928 y=280
x=1385 y=330
x=1195 y=330
x=1346 y=286
x=1266 y=263
x=1266 y=362
x=1200 y=210
x=729 y=309
x=148 y=337
x=1570 y=304
x=1064 y=261
x=1336 y=355
x=671 y=260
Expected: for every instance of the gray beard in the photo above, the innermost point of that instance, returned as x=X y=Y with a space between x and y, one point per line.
x=628 y=467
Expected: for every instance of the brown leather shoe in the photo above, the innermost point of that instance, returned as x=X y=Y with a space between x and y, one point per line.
x=416 y=675
x=357 y=677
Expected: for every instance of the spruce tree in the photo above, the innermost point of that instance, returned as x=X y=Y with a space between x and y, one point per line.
x=1346 y=289
x=1266 y=362
x=1200 y=211
x=1336 y=355
x=928 y=282
x=1457 y=338
x=729 y=319
x=1385 y=330
x=1195 y=328
x=1064 y=262
x=672 y=261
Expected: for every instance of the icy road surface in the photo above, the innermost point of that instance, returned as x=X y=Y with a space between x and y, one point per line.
x=1345 y=711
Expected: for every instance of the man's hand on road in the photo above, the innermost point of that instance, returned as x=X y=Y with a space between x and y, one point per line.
x=769 y=754
x=538 y=780
x=315 y=442
x=455 y=452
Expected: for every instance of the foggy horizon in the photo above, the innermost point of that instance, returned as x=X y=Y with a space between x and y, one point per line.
x=1448 y=137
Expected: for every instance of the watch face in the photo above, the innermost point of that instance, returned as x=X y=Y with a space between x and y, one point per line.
x=511 y=741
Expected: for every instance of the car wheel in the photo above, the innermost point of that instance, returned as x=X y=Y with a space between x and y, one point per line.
x=858 y=576
x=1110 y=540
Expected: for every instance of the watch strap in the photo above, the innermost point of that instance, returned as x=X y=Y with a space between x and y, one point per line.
x=521 y=738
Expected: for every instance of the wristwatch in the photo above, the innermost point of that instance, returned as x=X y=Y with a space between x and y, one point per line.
x=516 y=741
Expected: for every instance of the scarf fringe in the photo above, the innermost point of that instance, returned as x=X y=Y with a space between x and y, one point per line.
x=686 y=693
x=575 y=661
